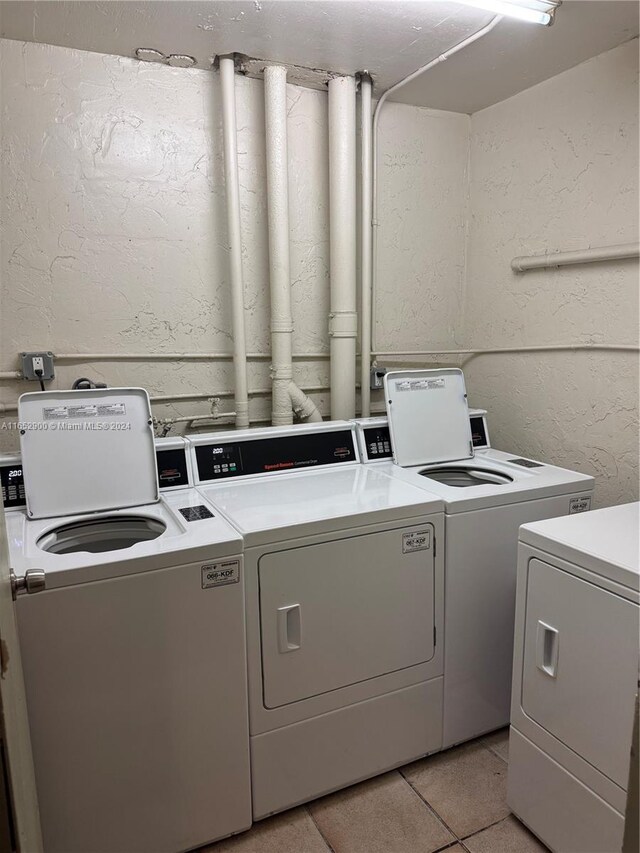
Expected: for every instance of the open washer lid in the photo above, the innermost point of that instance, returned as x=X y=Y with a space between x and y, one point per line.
x=87 y=451
x=428 y=416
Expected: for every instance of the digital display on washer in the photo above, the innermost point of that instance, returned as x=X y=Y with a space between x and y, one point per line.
x=478 y=431
x=172 y=467
x=289 y=453
x=12 y=486
x=378 y=442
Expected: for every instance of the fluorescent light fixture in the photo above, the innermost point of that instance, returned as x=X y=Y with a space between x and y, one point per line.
x=532 y=11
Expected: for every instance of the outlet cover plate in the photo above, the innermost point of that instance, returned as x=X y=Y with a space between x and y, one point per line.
x=28 y=369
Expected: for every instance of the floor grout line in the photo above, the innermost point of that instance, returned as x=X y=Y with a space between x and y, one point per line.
x=429 y=806
x=315 y=823
x=488 y=826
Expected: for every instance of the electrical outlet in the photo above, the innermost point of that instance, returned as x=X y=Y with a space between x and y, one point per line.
x=42 y=362
x=377 y=375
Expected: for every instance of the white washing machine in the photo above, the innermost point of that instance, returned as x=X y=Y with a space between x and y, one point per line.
x=575 y=677
x=133 y=639
x=344 y=592
x=487 y=495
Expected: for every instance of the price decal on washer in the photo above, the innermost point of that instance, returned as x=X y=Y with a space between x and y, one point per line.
x=220 y=574
x=417 y=540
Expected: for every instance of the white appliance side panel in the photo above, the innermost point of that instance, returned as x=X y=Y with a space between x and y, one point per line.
x=297 y=763
x=565 y=814
x=346 y=611
x=580 y=666
x=137 y=700
x=481 y=558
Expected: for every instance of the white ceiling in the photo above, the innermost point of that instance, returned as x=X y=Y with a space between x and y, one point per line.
x=389 y=38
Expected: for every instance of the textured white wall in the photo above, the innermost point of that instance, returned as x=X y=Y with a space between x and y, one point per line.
x=554 y=168
x=421 y=236
x=114 y=234
x=113 y=239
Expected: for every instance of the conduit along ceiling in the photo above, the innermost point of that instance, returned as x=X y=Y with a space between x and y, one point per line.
x=389 y=38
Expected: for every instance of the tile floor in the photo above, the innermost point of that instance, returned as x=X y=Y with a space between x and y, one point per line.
x=453 y=801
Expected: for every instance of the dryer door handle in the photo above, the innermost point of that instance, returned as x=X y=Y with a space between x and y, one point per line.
x=547 y=649
x=289 y=628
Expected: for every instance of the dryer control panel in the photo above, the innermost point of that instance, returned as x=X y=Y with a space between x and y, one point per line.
x=223 y=458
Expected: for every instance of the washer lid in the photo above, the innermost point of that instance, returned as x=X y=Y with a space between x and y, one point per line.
x=87 y=451
x=428 y=416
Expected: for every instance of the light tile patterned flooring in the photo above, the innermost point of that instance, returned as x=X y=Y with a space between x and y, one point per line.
x=453 y=801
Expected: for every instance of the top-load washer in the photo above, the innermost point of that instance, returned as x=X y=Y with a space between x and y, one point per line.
x=487 y=495
x=132 y=639
x=575 y=678
x=344 y=595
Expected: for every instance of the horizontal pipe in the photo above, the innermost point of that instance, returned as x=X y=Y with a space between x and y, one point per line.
x=256 y=392
x=491 y=351
x=12 y=408
x=175 y=356
x=585 y=256
x=10 y=374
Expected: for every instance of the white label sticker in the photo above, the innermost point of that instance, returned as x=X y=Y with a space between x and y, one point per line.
x=220 y=574
x=55 y=413
x=417 y=540
x=112 y=409
x=579 y=505
x=419 y=384
x=88 y=411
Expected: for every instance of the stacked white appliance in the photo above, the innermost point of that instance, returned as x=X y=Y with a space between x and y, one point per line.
x=575 y=677
x=344 y=596
x=133 y=636
x=487 y=495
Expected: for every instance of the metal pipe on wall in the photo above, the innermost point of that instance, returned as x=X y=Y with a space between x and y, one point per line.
x=342 y=240
x=230 y=142
x=584 y=256
x=275 y=114
x=286 y=397
x=366 y=163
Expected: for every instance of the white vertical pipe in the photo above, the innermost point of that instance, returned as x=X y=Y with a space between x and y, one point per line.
x=366 y=162
x=275 y=111
x=230 y=141
x=342 y=239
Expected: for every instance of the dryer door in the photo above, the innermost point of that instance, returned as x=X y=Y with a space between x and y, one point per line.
x=581 y=666
x=345 y=611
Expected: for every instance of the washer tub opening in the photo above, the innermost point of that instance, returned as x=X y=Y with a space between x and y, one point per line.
x=465 y=477
x=96 y=535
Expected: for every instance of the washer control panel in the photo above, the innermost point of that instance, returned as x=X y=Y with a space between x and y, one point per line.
x=225 y=459
x=13 y=495
x=375 y=439
x=173 y=472
x=377 y=442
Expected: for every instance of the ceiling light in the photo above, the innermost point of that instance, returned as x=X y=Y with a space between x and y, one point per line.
x=532 y=11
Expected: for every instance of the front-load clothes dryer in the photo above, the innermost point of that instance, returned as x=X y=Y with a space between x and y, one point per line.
x=575 y=678
x=344 y=591
x=133 y=636
x=487 y=495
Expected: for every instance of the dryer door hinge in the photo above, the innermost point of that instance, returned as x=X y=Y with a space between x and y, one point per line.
x=434 y=548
